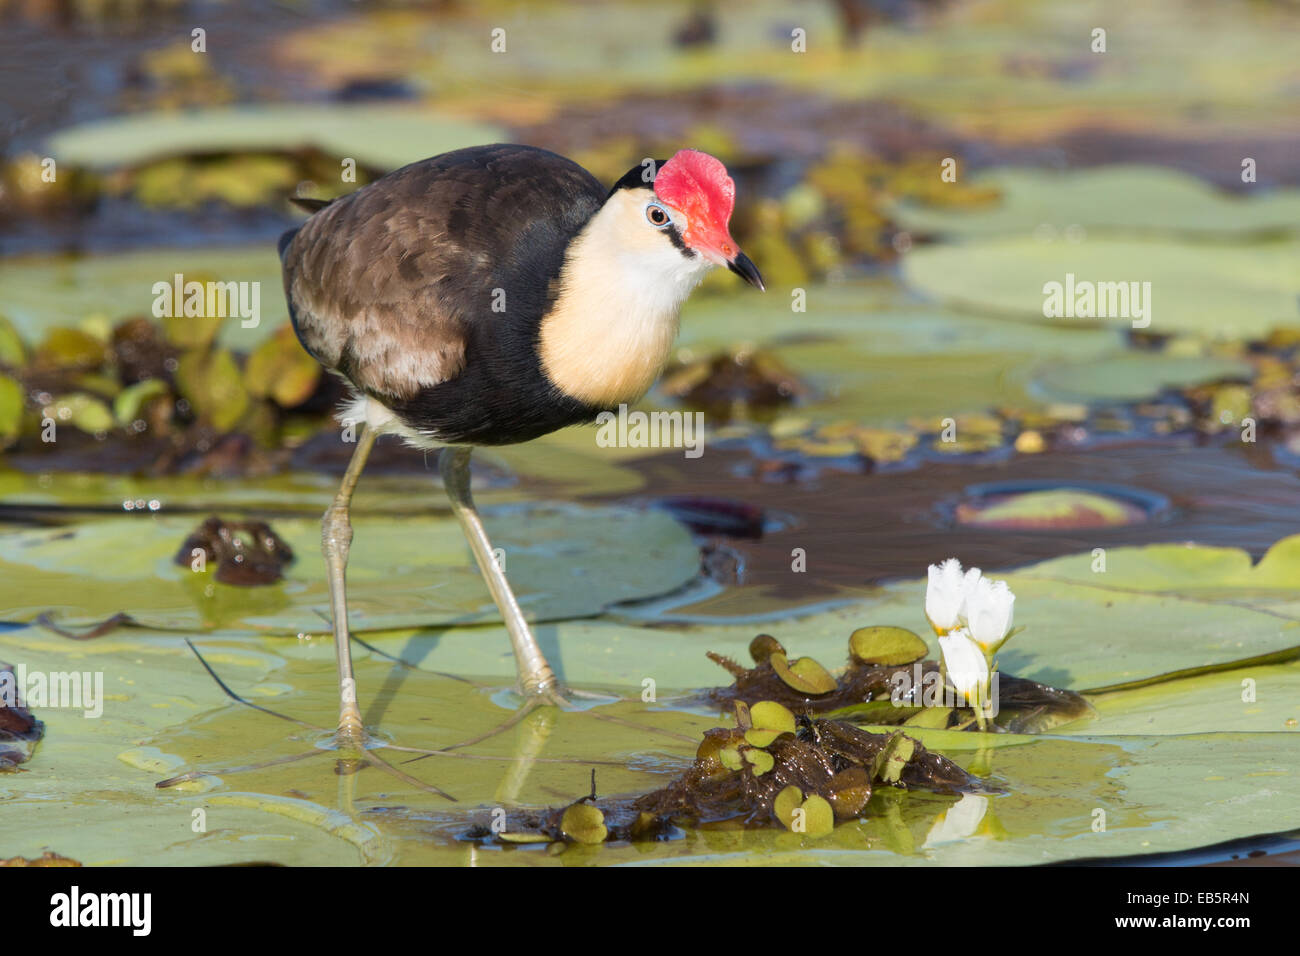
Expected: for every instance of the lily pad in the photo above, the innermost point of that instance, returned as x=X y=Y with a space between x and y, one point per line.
x=1130 y=378
x=1046 y=510
x=1134 y=200
x=1218 y=290
x=385 y=137
x=1263 y=699
x=406 y=572
x=1158 y=792
x=48 y=292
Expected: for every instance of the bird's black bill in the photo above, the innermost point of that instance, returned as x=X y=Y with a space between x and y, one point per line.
x=744 y=267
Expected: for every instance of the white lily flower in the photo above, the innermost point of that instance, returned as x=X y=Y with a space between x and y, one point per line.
x=966 y=665
x=945 y=595
x=990 y=606
x=960 y=821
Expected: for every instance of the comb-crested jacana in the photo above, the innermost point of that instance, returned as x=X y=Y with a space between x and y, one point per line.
x=488 y=296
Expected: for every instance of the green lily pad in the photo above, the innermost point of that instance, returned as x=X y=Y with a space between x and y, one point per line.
x=47 y=292
x=164 y=715
x=1051 y=509
x=385 y=137
x=401 y=572
x=1129 y=199
x=1217 y=290
x=1263 y=699
x=1130 y=378
x=1154 y=612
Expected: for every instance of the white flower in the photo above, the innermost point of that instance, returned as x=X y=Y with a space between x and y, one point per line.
x=988 y=613
x=945 y=595
x=966 y=665
x=960 y=821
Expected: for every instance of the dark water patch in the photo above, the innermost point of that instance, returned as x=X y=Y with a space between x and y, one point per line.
x=856 y=530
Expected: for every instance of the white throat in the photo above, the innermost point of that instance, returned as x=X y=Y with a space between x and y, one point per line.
x=611 y=329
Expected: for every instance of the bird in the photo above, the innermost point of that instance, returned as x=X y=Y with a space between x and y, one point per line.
x=488 y=296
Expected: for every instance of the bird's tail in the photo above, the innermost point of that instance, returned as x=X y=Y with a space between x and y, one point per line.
x=310 y=205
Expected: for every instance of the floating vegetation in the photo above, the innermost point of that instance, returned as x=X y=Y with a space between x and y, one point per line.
x=245 y=553
x=770 y=770
x=166 y=397
x=19 y=730
x=733 y=386
x=887 y=681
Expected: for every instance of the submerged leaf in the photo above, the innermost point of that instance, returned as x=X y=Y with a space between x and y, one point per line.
x=849 y=792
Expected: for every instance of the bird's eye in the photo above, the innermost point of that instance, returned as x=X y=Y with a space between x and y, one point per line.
x=657 y=216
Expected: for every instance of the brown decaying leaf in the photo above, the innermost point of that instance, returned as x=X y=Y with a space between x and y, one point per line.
x=48 y=858
x=19 y=730
x=246 y=553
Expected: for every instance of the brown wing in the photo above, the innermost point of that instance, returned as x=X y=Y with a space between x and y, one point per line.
x=385 y=284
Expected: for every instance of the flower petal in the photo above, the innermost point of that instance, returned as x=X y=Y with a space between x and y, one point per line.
x=966 y=666
x=944 y=595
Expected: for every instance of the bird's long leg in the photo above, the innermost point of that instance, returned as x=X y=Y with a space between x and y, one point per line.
x=536 y=679
x=336 y=539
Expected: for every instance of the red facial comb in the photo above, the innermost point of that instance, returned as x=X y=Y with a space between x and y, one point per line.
x=698 y=185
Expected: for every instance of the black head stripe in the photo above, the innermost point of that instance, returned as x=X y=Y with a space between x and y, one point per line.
x=640 y=176
x=675 y=236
